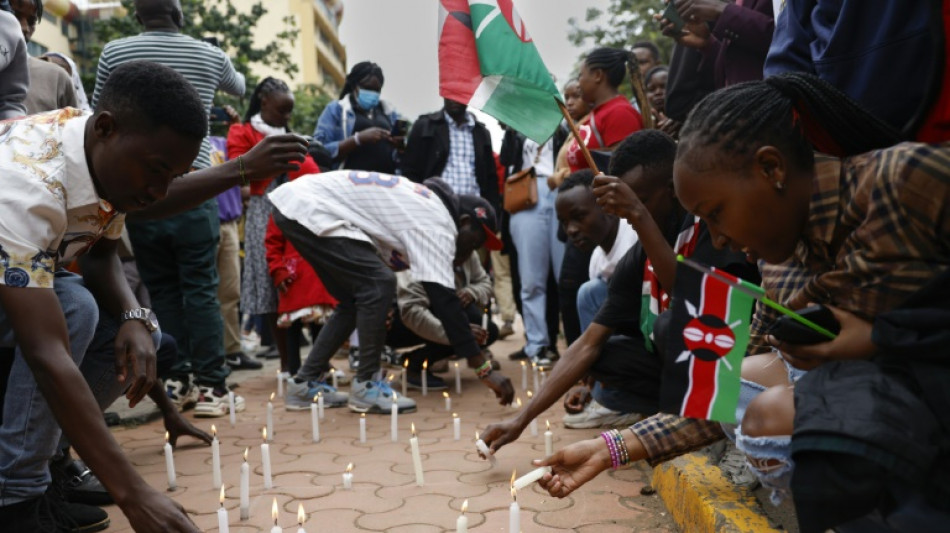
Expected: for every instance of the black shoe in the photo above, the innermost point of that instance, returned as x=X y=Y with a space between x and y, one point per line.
x=49 y=513
x=85 y=518
x=79 y=484
x=519 y=355
x=433 y=382
x=269 y=353
x=240 y=361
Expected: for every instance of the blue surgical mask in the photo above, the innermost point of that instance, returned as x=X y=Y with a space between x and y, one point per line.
x=367 y=99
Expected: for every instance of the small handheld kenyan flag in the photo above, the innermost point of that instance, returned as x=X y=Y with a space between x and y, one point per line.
x=709 y=333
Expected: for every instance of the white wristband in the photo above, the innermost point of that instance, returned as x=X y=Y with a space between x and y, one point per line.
x=356 y=138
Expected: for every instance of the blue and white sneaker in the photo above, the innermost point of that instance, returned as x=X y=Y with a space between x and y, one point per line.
x=300 y=395
x=376 y=397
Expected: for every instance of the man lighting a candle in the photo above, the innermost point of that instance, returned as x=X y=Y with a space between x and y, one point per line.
x=355 y=228
x=416 y=323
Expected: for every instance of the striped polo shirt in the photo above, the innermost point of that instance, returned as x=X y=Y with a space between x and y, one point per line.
x=205 y=66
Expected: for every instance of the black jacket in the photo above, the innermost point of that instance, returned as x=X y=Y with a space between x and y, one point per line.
x=427 y=151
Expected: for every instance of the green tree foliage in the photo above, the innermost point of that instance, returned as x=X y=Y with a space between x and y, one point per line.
x=233 y=30
x=622 y=24
x=309 y=102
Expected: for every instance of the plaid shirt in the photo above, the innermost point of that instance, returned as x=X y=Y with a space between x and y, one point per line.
x=459 y=170
x=877 y=232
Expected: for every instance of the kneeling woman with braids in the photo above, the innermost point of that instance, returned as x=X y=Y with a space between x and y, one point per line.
x=860 y=227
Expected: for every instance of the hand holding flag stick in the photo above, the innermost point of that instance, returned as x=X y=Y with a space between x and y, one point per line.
x=577 y=136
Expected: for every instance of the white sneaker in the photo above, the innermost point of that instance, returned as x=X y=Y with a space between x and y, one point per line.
x=736 y=469
x=598 y=416
x=183 y=395
x=213 y=402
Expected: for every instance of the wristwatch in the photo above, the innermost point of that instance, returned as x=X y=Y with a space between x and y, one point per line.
x=143 y=315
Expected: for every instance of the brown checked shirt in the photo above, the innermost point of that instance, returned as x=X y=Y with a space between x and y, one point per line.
x=878 y=231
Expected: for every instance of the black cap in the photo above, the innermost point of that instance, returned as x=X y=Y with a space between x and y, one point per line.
x=481 y=210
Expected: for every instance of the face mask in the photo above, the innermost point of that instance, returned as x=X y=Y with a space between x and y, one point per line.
x=367 y=99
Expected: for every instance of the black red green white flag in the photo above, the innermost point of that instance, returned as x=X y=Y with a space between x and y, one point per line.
x=709 y=334
x=488 y=60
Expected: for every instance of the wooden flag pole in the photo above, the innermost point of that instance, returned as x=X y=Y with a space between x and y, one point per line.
x=640 y=93
x=577 y=136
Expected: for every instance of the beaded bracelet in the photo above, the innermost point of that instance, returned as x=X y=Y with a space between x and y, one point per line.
x=619 y=456
x=244 y=180
x=484 y=371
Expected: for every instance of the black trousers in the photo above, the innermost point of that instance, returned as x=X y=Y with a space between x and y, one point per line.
x=400 y=336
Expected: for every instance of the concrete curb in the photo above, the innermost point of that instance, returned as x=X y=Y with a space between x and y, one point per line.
x=701 y=500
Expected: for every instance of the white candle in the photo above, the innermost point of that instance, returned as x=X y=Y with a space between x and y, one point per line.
x=315 y=420
x=458 y=379
x=456 y=426
x=270 y=418
x=348 y=477
x=245 y=488
x=533 y=425
x=548 y=440
x=534 y=372
x=461 y=525
x=222 y=515
x=280 y=384
x=394 y=420
x=170 y=464
x=531 y=477
x=363 y=427
x=215 y=458
x=524 y=375
x=333 y=377
x=275 y=513
x=301 y=518
x=320 y=404
x=484 y=451
x=543 y=378
x=231 y=413
x=514 y=512
x=416 y=458
x=485 y=319
x=405 y=368
x=448 y=401
x=265 y=462
x=425 y=378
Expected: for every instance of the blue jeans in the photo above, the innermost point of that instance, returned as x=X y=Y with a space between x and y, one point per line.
x=591 y=295
x=29 y=434
x=534 y=232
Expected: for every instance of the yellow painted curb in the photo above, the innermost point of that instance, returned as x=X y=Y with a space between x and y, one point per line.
x=701 y=500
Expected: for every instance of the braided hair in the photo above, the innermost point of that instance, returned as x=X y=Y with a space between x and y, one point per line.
x=358 y=73
x=795 y=112
x=267 y=86
x=612 y=61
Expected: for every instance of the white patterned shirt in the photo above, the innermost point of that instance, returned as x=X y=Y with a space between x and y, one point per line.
x=459 y=170
x=50 y=212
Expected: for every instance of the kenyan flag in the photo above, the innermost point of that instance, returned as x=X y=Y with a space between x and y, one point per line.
x=709 y=333
x=488 y=61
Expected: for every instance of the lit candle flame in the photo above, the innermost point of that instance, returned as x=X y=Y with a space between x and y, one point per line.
x=456 y=366
x=395 y=397
x=166 y=437
x=464 y=506
x=548 y=424
x=529 y=394
x=320 y=394
x=425 y=364
x=390 y=378
x=214 y=431
x=264 y=433
x=476 y=435
x=245 y=454
x=534 y=365
x=445 y=394
x=455 y=415
x=405 y=363
x=524 y=363
x=315 y=398
x=518 y=402
x=301 y=516
x=514 y=492
x=221 y=499
x=271 y=397
x=362 y=415
x=349 y=468
x=274 y=512
x=413 y=428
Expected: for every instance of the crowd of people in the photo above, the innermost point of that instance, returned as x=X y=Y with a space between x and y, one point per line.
x=796 y=145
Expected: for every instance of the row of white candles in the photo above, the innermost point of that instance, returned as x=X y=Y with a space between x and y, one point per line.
x=225 y=527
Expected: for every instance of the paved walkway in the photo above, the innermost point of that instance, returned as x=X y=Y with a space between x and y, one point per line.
x=384 y=495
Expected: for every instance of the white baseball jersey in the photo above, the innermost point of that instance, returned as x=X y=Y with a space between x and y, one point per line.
x=406 y=222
